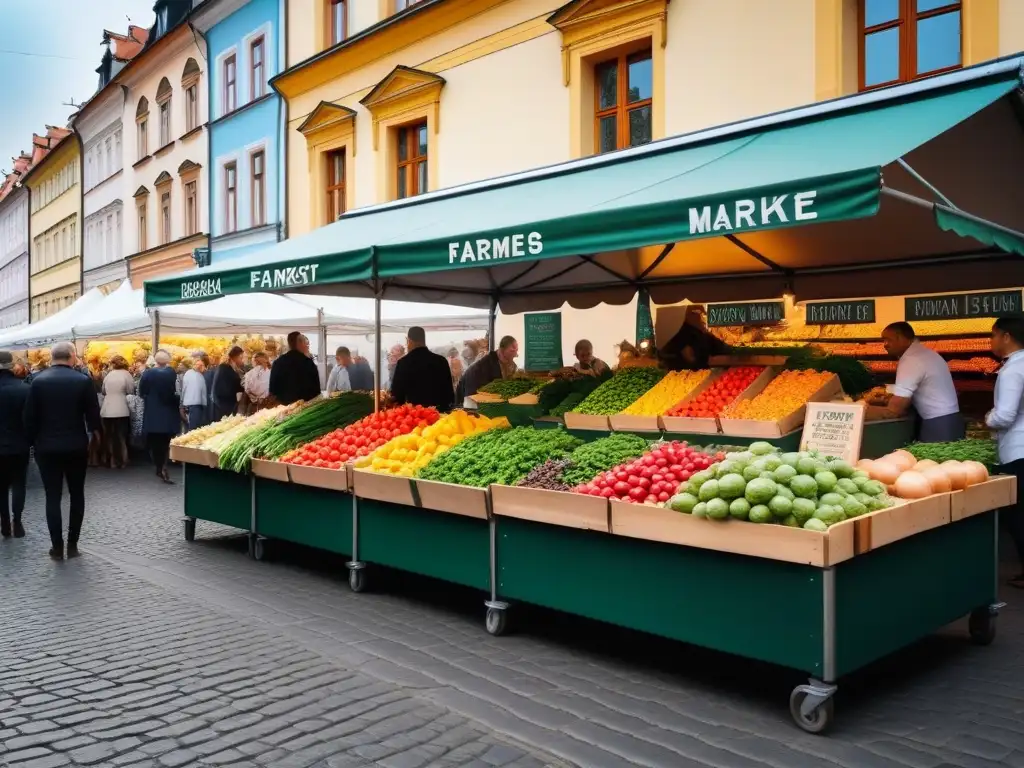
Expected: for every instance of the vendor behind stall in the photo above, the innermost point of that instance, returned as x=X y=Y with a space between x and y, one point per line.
x=294 y=376
x=586 y=362
x=421 y=376
x=693 y=346
x=923 y=381
x=499 y=364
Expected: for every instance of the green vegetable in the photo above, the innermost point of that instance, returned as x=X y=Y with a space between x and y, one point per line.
x=565 y=394
x=708 y=491
x=803 y=509
x=762 y=448
x=760 y=513
x=731 y=486
x=814 y=524
x=760 y=491
x=590 y=459
x=739 y=509
x=509 y=388
x=683 y=502
x=780 y=506
x=983 y=451
x=717 y=509
x=620 y=391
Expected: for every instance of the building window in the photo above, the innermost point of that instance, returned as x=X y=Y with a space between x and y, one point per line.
x=143 y=226
x=165 y=217
x=143 y=139
x=191 y=208
x=230 y=197
x=902 y=40
x=230 y=84
x=622 y=106
x=401 y=5
x=163 y=100
x=412 y=160
x=191 y=107
x=257 y=80
x=338 y=21
x=335 y=184
x=258 y=179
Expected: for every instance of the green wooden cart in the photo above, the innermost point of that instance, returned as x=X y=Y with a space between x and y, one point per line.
x=301 y=514
x=218 y=497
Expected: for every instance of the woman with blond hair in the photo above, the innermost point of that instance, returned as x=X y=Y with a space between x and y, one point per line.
x=116 y=415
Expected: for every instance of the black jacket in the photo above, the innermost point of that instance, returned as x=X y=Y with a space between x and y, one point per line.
x=423 y=378
x=482 y=372
x=226 y=386
x=160 y=415
x=61 y=410
x=360 y=376
x=294 y=377
x=13 y=393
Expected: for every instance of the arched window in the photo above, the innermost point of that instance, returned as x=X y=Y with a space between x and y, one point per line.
x=190 y=85
x=163 y=100
x=142 y=128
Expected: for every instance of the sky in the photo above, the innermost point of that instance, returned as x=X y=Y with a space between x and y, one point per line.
x=49 y=50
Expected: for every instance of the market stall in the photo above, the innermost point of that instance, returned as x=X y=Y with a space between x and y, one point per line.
x=821 y=202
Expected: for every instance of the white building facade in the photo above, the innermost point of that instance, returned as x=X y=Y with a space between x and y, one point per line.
x=14 y=258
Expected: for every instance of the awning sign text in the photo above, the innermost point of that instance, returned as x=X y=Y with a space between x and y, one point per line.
x=840 y=312
x=961 y=306
x=203 y=288
x=753 y=213
x=495 y=248
x=283 y=277
x=750 y=313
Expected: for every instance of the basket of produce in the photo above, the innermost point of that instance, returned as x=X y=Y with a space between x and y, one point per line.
x=503 y=390
x=188 y=447
x=698 y=413
x=643 y=415
x=613 y=396
x=779 y=408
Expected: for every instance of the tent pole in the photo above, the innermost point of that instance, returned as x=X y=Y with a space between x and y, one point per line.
x=376 y=352
x=924 y=182
x=322 y=344
x=492 y=313
x=963 y=214
x=155 y=331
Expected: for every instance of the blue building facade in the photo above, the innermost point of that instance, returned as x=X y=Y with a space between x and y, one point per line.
x=245 y=43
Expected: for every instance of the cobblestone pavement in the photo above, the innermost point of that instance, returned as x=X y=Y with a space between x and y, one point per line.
x=151 y=651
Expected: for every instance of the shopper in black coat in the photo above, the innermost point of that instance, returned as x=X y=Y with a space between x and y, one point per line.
x=161 y=420
x=61 y=412
x=227 y=384
x=293 y=376
x=14 y=447
x=422 y=377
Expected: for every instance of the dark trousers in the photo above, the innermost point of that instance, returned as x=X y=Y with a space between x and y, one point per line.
x=13 y=474
x=1013 y=517
x=55 y=469
x=196 y=416
x=159 y=447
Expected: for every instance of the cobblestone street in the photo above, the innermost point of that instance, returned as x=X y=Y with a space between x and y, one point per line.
x=150 y=651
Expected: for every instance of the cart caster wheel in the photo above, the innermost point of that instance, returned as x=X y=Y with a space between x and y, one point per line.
x=819 y=719
x=190 y=529
x=496 y=621
x=357 y=580
x=982 y=626
x=258 y=550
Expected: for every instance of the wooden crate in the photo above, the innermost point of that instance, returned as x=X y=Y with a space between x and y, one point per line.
x=687 y=425
x=906 y=518
x=999 y=491
x=320 y=477
x=733 y=361
x=188 y=455
x=774 y=542
x=371 y=485
x=451 y=498
x=571 y=510
x=486 y=397
x=770 y=430
x=528 y=399
x=622 y=422
x=586 y=421
x=271 y=470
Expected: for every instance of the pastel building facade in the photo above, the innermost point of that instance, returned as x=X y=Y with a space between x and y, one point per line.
x=245 y=47
x=14 y=245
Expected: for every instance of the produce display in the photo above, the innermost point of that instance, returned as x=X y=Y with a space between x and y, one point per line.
x=509 y=388
x=853 y=374
x=547 y=476
x=907 y=477
x=591 y=459
x=569 y=403
x=223 y=440
x=676 y=386
x=652 y=478
x=197 y=437
x=498 y=456
x=720 y=393
x=305 y=422
x=405 y=455
x=760 y=485
x=620 y=391
x=360 y=438
x=566 y=392
x=784 y=394
x=982 y=451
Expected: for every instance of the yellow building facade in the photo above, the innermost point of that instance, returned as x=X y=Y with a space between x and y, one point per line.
x=391 y=98
x=55 y=201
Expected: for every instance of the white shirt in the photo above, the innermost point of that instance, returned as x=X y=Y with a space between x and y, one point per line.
x=193 y=389
x=256 y=383
x=923 y=377
x=1006 y=419
x=338 y=381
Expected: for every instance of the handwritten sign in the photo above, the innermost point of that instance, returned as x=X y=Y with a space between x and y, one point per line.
x=543 y=341
x=840 y=312
x=834 y=429
x=747 y=313
x=962 y=306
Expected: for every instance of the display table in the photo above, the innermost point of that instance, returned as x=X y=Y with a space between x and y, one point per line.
x=216 y=496
x=517 y=415
x=301 y=514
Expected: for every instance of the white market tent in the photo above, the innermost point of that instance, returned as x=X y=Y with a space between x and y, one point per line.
x=56 y=327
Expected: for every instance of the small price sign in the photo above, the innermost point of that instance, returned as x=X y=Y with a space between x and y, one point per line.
x=834 y=429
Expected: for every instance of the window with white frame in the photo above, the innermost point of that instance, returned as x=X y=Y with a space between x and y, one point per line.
x=55 y=246
x=230 y=197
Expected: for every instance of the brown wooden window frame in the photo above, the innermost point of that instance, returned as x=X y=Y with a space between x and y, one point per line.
x=337 y=32
x=231 y=197
x=165 y=216
x=230 y=84
x=143 y=219
x=335 y=188
x=257 y=80
x=191 y=207
x=191 y=107
x=409 y=165
x=906 y=21
x=622 y=106
x=258 y=183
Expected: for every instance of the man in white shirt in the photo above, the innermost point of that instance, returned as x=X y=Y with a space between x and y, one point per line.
x=194 y=398
x=1006 y=420
x=256 y=382
x=339 y=380
x=923 y=381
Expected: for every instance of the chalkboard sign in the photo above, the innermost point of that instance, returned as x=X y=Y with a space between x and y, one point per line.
x=543 y=341
x=748 y=313
x=840 y=312
x=962 y=306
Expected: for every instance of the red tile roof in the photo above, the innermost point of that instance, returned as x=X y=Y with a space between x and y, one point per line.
x=127 y=47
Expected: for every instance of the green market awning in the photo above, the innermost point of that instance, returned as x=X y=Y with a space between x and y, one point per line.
x=737 y=212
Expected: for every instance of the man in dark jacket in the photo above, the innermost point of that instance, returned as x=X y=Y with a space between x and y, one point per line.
x=491 y=366
x=61 y=411
x=14 y=447
x=421 y=377
x=360 y=374
x=227 y=384
x=293 y=376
